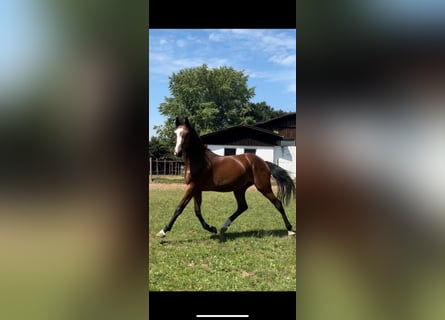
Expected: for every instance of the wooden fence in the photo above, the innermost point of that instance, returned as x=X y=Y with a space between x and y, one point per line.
x=163 y=167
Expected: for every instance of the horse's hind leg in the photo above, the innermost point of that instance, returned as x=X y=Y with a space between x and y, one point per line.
x=198 y=200
x=267 y=192
x=240 y=196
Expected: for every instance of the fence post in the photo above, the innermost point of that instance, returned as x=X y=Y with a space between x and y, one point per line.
x=170 y=167
x=150 y=178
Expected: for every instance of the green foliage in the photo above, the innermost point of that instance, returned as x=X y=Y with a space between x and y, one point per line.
x=261 y=111
x=212 y=99
x=256 y=256
x=158 y=148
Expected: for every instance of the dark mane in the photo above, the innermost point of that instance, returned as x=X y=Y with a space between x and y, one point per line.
x=196 y=145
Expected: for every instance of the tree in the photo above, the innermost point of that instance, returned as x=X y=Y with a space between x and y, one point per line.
x=158 y=149
x=261 y=111
x=212 y=99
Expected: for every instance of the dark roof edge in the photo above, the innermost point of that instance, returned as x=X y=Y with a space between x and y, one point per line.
x=273 y=119
x=251 y=127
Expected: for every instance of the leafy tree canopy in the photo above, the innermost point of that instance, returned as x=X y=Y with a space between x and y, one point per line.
x=212 y=99
x=158 y=149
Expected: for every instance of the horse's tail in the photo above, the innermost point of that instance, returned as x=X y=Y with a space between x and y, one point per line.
x=286 y=186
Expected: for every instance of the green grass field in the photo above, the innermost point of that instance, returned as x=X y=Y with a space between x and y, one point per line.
x=256 y=256
x=167 y=179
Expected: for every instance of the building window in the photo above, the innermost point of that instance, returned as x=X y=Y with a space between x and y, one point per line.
x=229 y=151
x=253 y=151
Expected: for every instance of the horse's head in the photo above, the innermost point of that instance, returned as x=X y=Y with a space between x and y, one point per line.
x=182 y=136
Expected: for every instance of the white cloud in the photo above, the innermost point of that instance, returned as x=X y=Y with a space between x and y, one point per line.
x=165 y=64
x=278 y=47
x=252 y=33
x=283 y=75
x=257 y=74
x=216 y=36
x=195 y=62
x=158 y=57
x=265 y=55
x=181 y=43
x=285 y=60
x=278 y=42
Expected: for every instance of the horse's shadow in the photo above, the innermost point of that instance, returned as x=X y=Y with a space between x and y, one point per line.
x=231 y=236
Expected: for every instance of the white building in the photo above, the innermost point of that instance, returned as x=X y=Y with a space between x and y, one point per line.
x=272 y=140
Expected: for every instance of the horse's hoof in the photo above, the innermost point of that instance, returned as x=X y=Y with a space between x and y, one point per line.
x=213 y=230
x=222 y=232
x=291 y=233
x=161 y=234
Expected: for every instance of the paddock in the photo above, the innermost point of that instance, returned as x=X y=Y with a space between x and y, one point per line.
x=257 y=256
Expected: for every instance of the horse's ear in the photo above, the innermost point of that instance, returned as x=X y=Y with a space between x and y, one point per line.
x=187 y=123
x=178 y=123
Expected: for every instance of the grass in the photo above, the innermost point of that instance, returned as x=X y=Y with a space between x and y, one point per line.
x=256 y=256
x=167 y=179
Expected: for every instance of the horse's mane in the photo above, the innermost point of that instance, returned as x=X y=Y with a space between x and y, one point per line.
x=196 y=145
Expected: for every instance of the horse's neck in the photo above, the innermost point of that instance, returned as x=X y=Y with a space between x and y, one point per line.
x=210 y=154
x=195 y=167
x=194 y=158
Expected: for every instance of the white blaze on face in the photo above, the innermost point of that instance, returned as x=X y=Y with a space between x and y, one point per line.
x=178 y=139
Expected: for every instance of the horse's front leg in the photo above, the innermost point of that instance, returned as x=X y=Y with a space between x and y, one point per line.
x=182 y=204
x=198 y=200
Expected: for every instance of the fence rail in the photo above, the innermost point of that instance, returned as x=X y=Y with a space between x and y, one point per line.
x=163 y=167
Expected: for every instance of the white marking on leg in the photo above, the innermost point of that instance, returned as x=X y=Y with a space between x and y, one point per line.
x=227 y=223
x=178 y=140
x=161 y=234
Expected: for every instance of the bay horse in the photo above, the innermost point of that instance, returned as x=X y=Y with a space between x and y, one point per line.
x=207 y=171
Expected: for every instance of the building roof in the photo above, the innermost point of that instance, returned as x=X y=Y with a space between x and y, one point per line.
x=243 y=135
x=277 y=119
x=265 y=133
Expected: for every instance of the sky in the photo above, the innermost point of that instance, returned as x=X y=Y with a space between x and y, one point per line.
x=24 y=42
x=266 y=56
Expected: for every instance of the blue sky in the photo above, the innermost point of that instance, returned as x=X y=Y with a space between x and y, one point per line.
x=267 y=56
x=26 y=33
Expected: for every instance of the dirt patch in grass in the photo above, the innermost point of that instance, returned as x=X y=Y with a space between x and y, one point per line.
x=166 y=186
x=175 y=186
